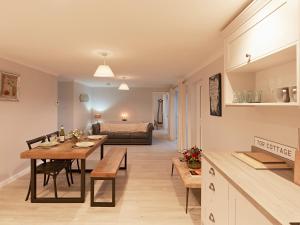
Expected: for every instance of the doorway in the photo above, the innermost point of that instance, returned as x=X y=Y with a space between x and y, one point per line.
x=160 y=110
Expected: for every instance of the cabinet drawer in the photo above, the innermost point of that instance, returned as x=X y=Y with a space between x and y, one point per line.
x=208 y=171
x=216 y=190
x=278 y=29
x=216 y=215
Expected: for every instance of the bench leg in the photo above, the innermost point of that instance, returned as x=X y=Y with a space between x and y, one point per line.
x=172 y=169
x=102 y=151
x=103 y=204
x=125 y=163
x=187 y=200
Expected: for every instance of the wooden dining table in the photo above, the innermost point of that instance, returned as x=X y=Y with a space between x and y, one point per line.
x=67 y=151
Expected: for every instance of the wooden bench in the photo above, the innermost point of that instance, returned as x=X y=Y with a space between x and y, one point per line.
x=189 y=180
x=107 y=169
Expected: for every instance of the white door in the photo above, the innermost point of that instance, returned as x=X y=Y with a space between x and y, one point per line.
x=198 y=115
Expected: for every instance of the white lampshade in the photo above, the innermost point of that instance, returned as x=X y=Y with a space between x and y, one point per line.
x=104 y=71
x=123 y=87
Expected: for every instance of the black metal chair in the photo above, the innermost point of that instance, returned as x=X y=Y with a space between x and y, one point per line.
x=48 y=168
x=56 y=134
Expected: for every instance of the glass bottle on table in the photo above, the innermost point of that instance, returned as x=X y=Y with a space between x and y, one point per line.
x=62 y=134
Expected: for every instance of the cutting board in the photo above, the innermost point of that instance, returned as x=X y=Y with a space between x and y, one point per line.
x=264 y=157
x=258 y=165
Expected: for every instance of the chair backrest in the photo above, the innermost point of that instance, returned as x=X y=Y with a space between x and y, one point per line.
x=36 y=140
x=55 y=134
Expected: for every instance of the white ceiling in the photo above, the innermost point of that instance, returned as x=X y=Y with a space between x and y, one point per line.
x=154 y=42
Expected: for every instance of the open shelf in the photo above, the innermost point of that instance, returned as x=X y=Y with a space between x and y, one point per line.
x=264 y=104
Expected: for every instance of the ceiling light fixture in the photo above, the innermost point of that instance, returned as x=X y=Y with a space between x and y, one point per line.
x=104 y=70
x=123 y=86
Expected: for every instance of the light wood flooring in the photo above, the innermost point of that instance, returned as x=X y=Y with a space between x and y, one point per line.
x=145 y=194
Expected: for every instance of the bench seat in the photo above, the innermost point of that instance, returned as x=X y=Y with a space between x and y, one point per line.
x=107 y=169
x=109 y=166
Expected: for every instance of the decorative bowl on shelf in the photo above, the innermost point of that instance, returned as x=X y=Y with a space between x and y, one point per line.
x=282 y=94
x=293 y=93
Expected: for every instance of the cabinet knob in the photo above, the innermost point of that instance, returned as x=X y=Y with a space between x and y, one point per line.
x=249 y=57
x=211 y=217
x=212 y=187
x=212 y=171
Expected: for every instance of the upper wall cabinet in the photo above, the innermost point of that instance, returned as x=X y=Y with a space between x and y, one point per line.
x=261 y=47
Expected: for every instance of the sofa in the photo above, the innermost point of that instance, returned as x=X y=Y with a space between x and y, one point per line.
x=125 y=133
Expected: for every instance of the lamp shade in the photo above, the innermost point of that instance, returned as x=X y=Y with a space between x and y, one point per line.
x=123 y=87
x=104 y=71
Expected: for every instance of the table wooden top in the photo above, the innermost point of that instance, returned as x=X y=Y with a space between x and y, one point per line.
x=109 y=166
x=62 y=151
x=190 y=181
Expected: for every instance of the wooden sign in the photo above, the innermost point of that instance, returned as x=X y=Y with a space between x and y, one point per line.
x=284 y=151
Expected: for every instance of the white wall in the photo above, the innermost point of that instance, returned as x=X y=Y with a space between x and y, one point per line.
x=110 y=102
x=72 y=113
x=66 y=104
x=82 y=110
x=238 y=125
x=34 y=115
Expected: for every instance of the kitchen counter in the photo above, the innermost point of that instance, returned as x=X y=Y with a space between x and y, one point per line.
x=275 y=197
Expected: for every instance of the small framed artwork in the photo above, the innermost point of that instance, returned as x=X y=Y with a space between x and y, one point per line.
x=215 y=95
x=9 y=86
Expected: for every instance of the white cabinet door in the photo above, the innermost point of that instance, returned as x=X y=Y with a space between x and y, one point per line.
x=262 y=36
x=242 y=212
x=214 y=195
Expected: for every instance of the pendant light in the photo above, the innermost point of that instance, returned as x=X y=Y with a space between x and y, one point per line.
x=103 y=70
x=123 y=86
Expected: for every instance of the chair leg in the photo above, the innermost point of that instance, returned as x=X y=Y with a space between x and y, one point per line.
x=67 y=175
x=44 y=182
x=78 y=166
x=71 y=173
x=28 y=192
x=55 y=187
x=47 y=181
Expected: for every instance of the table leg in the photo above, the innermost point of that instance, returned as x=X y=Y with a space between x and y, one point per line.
x=187 y=199
x=82 y=188
x=102 y=151
x=33 y=179
x=172 y=169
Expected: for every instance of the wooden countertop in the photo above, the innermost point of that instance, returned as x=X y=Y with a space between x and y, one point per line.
x=276 y=197
x=62 y=151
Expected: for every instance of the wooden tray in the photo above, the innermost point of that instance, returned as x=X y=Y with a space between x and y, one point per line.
x=264 y=157
x=258 y=165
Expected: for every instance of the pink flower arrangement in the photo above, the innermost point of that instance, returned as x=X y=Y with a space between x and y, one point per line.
x=193 y=155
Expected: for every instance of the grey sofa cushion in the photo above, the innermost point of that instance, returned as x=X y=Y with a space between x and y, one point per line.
x=139 y=138
x=139 y=135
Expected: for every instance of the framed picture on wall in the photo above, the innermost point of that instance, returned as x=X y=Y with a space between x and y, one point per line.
x=9 y=86
x=215 y=95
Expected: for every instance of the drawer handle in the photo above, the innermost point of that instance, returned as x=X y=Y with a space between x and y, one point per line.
x=212 y=171
x=212 y=187
x=249 y=57
x=211 y=217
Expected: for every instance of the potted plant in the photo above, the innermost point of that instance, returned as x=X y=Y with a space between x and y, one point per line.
x=193 y=157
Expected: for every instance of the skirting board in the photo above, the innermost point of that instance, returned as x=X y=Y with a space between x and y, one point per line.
x=14 y=177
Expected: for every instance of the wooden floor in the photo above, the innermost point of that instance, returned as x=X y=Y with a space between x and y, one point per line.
x=146 y=194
